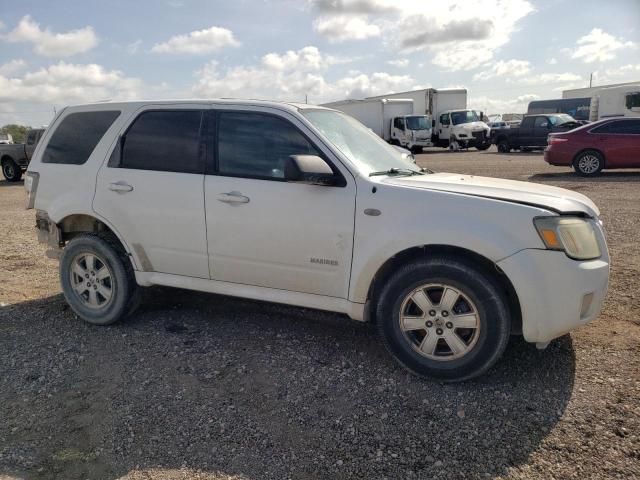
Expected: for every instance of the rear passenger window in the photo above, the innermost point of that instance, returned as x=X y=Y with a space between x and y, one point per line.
x=255 y=145
x=77 y=135
x=167 y=140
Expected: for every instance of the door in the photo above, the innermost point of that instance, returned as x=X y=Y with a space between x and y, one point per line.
x=398 y=130
x=264 y=231
x=444 y=130
x=152 y=190
x=541 y=130
x=620 y=141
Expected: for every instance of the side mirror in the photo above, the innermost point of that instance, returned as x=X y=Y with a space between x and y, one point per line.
x=309 y=169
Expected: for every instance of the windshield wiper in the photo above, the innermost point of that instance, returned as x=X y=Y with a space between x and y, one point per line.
x=396 y=171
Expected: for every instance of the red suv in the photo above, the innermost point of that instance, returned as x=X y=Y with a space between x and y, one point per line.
x=609 y=143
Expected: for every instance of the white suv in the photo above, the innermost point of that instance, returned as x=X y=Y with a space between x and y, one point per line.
x=303 y=205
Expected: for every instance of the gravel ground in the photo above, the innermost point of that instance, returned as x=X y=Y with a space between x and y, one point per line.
x=209 y=387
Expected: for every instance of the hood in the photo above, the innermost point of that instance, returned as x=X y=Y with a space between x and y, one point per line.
x=475 y=126
x=552 y=198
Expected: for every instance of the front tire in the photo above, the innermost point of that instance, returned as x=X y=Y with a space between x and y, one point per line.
x=588 y=163
x=443 y=318
x=97 y=279
x=11 y=171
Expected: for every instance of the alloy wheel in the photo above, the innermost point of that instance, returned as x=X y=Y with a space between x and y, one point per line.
x=440 y=322
x=92 y=280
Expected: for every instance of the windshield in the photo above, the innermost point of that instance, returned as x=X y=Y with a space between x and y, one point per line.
x=466 y=116
x=417 y=123
x=366 y=150
x=560 y=119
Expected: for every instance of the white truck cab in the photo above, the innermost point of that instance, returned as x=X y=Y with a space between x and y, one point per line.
x=304 y=205
x=411 y=131
x=464 y=127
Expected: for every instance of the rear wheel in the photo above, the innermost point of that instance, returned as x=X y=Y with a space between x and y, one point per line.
x=97 y=279
x=588 y=163
x=503 y=146
x=443 y=318
x=11 y=171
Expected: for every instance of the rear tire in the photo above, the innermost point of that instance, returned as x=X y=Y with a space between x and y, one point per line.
x=97 y=279
x=503 y=146
x=469 y=325
x=11 y=171
x=588 y=163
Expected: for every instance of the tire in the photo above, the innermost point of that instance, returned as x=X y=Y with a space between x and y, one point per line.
x=103 y=299
x=474 y=350
x=588 y=163
x=11 y=171
x=503 y=146
x=525 y=149
x=416 y=150
x=483 y=147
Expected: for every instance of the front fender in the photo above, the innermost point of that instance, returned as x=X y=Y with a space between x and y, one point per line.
x=410 y=218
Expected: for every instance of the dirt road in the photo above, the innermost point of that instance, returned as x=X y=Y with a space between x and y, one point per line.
x=210 y=387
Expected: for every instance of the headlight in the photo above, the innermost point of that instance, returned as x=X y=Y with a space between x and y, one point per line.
x=573 y=235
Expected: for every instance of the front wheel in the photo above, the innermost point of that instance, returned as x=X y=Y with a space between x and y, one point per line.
x=11 y=171
x=443 y=318
x=588 y=163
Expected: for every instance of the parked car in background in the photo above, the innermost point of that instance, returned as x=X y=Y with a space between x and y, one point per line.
x=533 y=132
x=14 y=158
x=606 y=144
x=6 y=139
x=304 y=205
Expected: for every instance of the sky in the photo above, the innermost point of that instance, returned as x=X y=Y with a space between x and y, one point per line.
x=505 y=52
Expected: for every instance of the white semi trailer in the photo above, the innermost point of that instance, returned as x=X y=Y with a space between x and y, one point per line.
x=451 y=119
x=394 y=120
x=616 y=101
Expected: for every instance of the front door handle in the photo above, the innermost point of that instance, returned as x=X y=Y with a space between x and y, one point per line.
x=232 y=197
x=121 y=187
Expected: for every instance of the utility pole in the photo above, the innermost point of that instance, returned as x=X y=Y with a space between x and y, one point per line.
x=306 y=98
x=590 y=79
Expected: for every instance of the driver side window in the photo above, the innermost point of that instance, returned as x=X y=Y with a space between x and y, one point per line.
x=444 y=119
x=541 y=122
x=399 y=123
x=256 y=145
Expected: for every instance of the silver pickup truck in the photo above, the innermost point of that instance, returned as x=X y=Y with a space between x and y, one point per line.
x=15 y=158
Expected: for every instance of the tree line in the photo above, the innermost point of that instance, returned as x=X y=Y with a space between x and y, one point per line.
x=18 y=132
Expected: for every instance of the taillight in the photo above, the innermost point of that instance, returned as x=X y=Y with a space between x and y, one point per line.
x=30 y=187
x=556 y=140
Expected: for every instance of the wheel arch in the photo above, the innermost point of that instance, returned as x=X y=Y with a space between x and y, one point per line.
x=6 y=157
x=409 y=255
x=76 y=224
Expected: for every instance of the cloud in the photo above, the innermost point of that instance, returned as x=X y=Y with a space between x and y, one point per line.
x=552 y=61
x=623 y=74
x=508 y=68
x=198 y=42
x=401 y=62
x=420 y=32
x=51 y=44
x=598 y=46
x=342 y=28
x=65 y=83
x=550 y=79
x=354 y=6
x=493 y=106
x=291 y=76
x=12 y=66
x=457 y=34
x=134 y=47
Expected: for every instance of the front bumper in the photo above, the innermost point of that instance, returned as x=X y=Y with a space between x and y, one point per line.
x=556 y=294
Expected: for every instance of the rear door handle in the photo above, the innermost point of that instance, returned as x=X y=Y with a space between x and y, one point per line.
x=121 y=187
x=232 y=197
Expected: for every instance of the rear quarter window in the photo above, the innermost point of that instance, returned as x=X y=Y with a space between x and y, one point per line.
x=75 y=138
